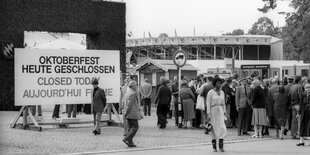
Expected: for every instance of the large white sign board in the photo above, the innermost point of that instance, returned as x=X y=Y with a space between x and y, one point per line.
x=64 y=76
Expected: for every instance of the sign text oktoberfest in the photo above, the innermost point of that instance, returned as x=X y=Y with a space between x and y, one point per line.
x=64 y=76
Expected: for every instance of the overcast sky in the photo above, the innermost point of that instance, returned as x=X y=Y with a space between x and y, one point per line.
x=207 y=17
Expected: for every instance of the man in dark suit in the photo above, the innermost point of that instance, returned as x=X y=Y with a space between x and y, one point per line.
x=287 y=87
x=99 y=102
x=228 y=93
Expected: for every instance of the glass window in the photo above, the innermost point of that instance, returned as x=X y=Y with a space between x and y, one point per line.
x=304 y=72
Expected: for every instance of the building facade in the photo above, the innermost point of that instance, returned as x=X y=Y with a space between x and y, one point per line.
x=245 y=54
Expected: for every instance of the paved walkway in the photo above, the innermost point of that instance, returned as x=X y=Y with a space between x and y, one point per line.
x=79 y=138
x=265 y=146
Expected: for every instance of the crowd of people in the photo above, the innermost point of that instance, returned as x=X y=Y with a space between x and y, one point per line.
x=248 y=104
x=214 y=104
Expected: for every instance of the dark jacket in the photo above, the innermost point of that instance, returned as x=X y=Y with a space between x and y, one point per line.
x=268 y=103
x=295 y=94
x=226 y=89
x=259 y=98
x=163 y=95
x=305 y=104
x=175 y=89
x=99 y=100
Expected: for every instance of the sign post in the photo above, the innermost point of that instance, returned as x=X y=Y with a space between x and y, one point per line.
x=179 y=59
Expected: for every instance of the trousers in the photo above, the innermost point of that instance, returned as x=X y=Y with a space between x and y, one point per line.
x=133 y=127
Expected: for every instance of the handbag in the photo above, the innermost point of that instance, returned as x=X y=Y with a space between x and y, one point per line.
x=208 y=127
x=200 y=103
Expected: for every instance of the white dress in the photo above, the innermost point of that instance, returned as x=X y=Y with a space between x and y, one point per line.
x=216 y=108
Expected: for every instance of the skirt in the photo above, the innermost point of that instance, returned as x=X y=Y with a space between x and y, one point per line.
x=280 y=116
x=259 y=117
x=305 y=124
x=188 y=109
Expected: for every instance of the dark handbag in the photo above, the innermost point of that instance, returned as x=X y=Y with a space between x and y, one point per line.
x=208 y=127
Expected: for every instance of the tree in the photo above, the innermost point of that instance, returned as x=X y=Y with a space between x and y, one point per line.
x=296 y=32
x=235 y=32
x=269 y=4
x=264 y=26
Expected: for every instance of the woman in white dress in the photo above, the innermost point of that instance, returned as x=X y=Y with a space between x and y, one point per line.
x=216 y=112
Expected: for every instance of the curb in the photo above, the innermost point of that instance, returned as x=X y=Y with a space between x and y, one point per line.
x=164 y=147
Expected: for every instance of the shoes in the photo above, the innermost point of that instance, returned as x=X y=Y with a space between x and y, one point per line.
x=222 y=150
x=245 y=133
x=285 y=132
x=96 y=132
x=254 y=136
x=126 y=142
x=206 y=132
x=221 y=145
x=55 y=117
x=129 y=144
x=300 y=144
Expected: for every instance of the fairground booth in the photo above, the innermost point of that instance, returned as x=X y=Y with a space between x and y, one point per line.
x=153 y=69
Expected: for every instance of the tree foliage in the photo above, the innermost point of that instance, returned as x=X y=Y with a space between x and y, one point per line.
x=264 y=26
x=296 y=32
x=235 y=32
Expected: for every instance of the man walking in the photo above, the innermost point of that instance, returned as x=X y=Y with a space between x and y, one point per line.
x=132 y=113
x=295 y=95
x=99 y=102
x=146 y=90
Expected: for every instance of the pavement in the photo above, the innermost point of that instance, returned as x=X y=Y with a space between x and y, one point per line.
x=265 y=146
x=79 y=139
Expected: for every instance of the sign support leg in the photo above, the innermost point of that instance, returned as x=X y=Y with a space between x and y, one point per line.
x=17 y=117
x=32 y=118
x=109 y=108
x=25 y=116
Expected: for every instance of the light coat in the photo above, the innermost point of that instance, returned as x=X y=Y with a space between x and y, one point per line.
x=132 y=105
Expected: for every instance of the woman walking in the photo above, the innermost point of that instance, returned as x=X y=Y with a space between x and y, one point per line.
x=304 y=114
x=188 y=104
x=259 y=117
x=280 y=108
x=163 y=99
x=216 y=112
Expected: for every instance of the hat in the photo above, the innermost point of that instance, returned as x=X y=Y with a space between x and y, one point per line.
x=95 y=81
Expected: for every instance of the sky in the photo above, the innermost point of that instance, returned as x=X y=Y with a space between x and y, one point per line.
x=199 y=17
